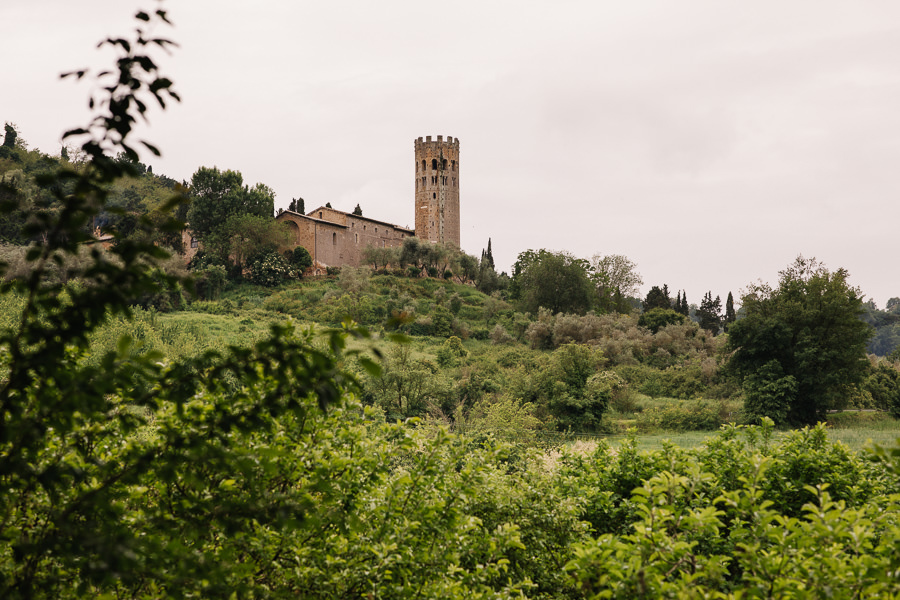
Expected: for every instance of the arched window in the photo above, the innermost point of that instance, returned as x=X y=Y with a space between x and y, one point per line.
x=334 y=239
x=444 y=164
x=423 y=164
x=320 y=214
x=434 y=164
x=356 y=237
x=433 y=196
x=452 y=165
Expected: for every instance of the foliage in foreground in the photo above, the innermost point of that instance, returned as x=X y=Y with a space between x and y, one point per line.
x=255 y=472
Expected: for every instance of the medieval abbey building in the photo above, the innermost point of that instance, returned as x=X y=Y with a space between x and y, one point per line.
x=335 y=238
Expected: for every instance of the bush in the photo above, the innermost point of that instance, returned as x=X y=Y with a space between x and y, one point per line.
x=884 y=386
x=442 y=322
x=657 y=318
x=270 y=270
x=695 y=415
x=209 y=281
x=499 y=335
x=450 y=351
x=300 y=259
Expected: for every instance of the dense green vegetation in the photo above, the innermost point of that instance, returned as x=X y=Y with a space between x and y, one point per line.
x=251 y=442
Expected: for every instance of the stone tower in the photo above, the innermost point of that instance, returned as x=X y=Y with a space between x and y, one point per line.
x=437 y=190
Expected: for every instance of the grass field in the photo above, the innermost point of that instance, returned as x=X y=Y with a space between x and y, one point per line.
x=855 y=429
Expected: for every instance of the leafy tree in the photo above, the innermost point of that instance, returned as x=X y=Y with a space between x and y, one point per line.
x=801 y=345
x=242 y=239
x=380 y=257
x=568 y=387
x=615 y=272
x=357 y=211
x=328 y=205
x=468 y=267
x=710 y=313
x=556 y=281
x=657 y=298
x=218 y=195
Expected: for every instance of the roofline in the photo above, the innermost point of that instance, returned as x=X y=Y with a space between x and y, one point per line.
x=349 y=215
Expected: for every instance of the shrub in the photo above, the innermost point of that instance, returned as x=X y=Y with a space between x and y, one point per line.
x=450 y=351
x=209 y=281
x=442 y=322
x=499 y=335
x=884 y=386
x=270 y=270
x=300 y=259
x=695 y=415
x=455 y=304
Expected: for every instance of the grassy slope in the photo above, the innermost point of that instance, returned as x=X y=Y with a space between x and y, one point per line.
x=245 y=313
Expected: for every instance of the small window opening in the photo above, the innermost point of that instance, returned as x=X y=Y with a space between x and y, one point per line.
x=356 y=237
x=320 y=214
x=194 y=242
x=433 y=196
x=334 y=239
x=452 y=165
x=444 y=164
x=434 y=164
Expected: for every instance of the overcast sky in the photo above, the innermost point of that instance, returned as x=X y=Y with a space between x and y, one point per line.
x=711 y=142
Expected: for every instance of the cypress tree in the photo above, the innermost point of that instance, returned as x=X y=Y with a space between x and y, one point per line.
x=730 y=315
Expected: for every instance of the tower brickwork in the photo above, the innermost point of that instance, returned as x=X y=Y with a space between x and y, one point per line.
x=437 y=190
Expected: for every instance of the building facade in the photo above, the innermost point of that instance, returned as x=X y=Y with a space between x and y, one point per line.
x=335 y=238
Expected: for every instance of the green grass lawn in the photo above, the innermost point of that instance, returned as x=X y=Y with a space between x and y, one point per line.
x=855 y=429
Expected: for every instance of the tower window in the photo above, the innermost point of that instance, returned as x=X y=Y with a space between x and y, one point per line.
x=452 y=165
x=434 y=164
x=423 y=164
x=433 y=195
x=444 y=164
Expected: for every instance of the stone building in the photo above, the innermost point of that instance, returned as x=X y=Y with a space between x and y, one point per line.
x=336 y=238
x=437 y=190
